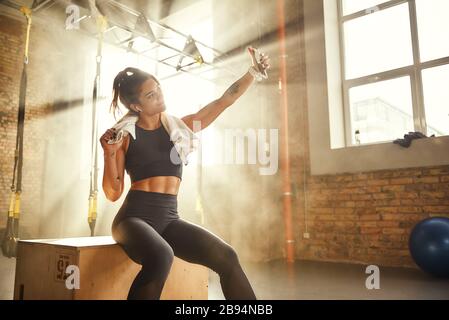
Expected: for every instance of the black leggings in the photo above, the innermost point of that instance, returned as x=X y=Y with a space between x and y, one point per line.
x=151 y=233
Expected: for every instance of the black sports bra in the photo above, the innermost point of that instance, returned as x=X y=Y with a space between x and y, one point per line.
x=149 y=155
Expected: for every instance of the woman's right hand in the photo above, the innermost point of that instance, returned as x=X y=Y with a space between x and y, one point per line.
x=108 y=135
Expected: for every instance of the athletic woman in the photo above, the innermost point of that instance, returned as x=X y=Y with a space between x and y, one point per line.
x=148 y=226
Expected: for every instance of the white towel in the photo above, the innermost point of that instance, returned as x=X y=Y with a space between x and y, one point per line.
x=183 y=138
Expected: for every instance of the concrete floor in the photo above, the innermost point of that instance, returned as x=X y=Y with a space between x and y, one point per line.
x=306 y=280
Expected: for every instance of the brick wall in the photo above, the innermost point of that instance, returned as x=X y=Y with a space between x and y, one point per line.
x=368 y=217
x=38 y=106
x=11 y=57
x=359 y=218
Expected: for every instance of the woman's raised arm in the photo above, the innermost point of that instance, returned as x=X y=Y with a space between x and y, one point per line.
x=211 y=111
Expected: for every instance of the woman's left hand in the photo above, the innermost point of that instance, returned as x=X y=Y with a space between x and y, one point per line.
x=264 y=60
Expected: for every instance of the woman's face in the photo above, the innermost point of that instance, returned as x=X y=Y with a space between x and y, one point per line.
x=151 y=98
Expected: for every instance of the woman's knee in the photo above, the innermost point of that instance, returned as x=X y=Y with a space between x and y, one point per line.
x=162 y=255
x=226 y=257
x=156 y=265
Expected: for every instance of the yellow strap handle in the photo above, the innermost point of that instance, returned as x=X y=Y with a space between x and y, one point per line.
x=17 y=206
x=14 y=206
x=92 y=216
x=11 y=205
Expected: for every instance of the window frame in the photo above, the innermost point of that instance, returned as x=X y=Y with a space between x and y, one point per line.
x=414 y=72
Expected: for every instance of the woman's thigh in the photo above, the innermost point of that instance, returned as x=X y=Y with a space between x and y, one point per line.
x=195 y=244
x=140 y=240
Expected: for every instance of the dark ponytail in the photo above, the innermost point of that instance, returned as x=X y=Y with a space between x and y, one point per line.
x=126 y=88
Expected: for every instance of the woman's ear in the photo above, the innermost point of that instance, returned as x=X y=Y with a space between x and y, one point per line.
x=135 y=108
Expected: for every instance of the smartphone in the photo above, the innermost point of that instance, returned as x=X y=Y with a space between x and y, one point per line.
x=257 y=57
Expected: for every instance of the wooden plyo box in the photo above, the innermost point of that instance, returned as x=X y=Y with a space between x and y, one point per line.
x=105 y=271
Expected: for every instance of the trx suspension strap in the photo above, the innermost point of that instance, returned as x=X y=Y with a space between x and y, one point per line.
x=92 y=215
x=9 y=242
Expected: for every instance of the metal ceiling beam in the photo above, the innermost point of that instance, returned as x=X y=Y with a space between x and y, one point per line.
x=148 y=57
x=115 y=24
x=158 y=41
x=159 y=24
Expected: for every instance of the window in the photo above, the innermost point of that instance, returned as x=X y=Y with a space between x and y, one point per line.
x=395 y=68
x=436 y=99
x=386 y=107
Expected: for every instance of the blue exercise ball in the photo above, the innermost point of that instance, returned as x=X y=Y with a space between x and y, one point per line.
x=429 y=246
